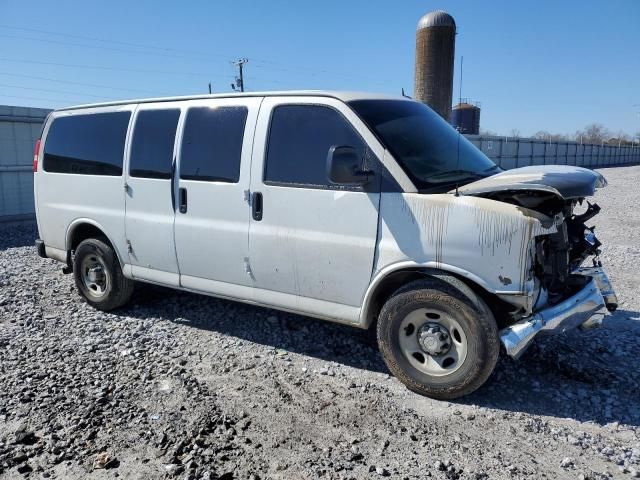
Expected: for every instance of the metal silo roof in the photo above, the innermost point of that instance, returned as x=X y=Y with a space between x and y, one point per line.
x=437 y=18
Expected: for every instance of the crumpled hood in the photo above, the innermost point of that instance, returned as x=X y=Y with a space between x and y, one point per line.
x=563 y=180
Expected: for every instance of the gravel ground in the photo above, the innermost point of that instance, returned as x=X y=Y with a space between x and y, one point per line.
x=186 y=386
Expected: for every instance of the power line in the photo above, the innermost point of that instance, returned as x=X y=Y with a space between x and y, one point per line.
x=314 y=72
x=119 y=42
x=152 y=47
x=116 y=69
x=96 y=47
x=259 y=63
x=75 y=83
x=64 y=92
x=32 y=98
x=262 y=79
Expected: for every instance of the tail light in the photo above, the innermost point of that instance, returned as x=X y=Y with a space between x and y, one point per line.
x=36 y=154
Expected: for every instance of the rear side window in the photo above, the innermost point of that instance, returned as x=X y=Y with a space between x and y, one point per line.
x=212 y=144
x=87 y=144
x=300 y=137
x=152 y=147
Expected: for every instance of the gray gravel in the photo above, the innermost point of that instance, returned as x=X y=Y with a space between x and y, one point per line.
x=186 y=386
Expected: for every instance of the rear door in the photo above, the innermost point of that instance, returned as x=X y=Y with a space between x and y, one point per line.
x=312 y=244
x=150 y=213
x=212 y=220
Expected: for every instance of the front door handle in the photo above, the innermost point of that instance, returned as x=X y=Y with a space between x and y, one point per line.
x=182 y=196
x=256 y=206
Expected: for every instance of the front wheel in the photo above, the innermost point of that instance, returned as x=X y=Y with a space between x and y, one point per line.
x=438 y=338
x=98 y=275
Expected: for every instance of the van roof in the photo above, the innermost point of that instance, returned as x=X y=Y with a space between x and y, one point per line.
x=345 y=96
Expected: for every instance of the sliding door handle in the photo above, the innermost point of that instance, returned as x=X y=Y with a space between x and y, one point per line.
x=182 y=196
x=256 y=206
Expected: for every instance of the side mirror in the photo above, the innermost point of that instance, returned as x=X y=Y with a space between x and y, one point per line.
x=344 y=167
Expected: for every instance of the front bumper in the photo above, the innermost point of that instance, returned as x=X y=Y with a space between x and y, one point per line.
x=586 y=309
x=606 y=289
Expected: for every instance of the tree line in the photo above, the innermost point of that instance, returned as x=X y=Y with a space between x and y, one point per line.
x=594 y=133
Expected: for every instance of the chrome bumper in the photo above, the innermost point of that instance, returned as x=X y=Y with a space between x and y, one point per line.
x=598 y=274
x=584 y=309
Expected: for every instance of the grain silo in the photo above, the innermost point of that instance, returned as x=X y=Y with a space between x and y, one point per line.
x=465 y=117
x=435 y=49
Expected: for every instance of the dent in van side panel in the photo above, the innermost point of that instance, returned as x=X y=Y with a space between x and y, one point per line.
x=487 y=239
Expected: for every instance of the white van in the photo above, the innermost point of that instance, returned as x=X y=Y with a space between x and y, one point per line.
x=355 y=208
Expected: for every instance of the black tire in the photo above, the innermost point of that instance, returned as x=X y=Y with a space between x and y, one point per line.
x=451 y=296
x=117 y=289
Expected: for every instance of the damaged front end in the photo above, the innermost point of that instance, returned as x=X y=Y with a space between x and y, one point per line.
x=566 y=294
x=584 y=308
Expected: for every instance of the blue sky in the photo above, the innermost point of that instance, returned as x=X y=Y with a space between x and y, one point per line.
x=534 y=65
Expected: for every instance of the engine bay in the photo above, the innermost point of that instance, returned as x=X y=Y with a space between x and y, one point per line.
x=560 y=254
x=557 y=256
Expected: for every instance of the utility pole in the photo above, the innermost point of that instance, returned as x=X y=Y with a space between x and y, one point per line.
x=239 y=83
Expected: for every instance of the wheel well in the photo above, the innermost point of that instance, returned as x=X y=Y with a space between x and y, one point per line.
x=82 y=232
x=395 y=280
x=389 y=284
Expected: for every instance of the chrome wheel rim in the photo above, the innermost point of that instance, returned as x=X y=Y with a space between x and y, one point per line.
x=95 y=276
x=433 y=342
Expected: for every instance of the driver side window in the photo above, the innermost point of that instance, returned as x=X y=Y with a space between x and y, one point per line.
x=299 y=140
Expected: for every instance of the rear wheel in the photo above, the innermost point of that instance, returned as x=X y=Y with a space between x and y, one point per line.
x=98 y=275
x=438 y=338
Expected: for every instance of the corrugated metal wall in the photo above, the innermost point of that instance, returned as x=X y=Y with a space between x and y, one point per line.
x=521 y=152
x=19 y=129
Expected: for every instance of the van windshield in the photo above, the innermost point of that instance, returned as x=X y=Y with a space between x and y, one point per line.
x=429 y=150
